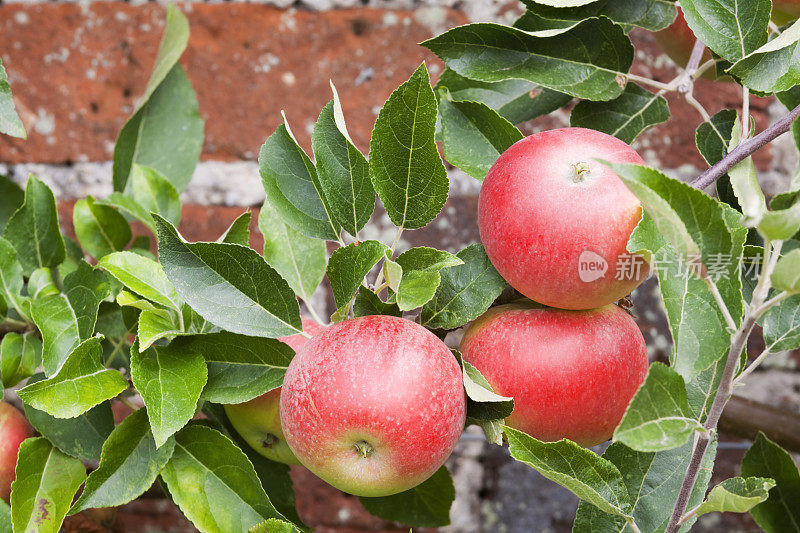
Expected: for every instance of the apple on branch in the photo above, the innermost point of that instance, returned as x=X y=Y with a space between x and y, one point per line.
x=548 y=205
x=258 y=421
x=373 y=405
x=14 y=429
x=571 y=373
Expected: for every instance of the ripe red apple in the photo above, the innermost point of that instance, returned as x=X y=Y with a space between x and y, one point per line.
x=14 y=429
x=258 y=421
x=555 y=222
x=373 y=405
x=571 y=373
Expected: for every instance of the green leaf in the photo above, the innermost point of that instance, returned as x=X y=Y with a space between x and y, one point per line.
x=652 y=478
x=583 y=61
x=11 y=277
x=744 y=181
x=208 y=477
x=85 y=287
x=170 y=381
x=58 y=325
x=712 y=139
x=154 y=192
x=81 y=437
x=343 y=170
x=33 y=230
x=736 y=495
x=652 y=15
x=10 y=124
x=155 y=324
x=100 y=229
x=465 y=292
x=474 y=135
x=293 y=187
x=781 y=224
x=515 y=100
x=273 y=525
x=782 y=326
x=731 y=28
x=666 y=219
x=20 y=355
x=129 y=465
x=41 y=284
x=625 y=117
x=658 y=417
x=80 y=384
x=239 y=230
x=417 y=288
x=300 y=260
x=46 y=481
x=11 y=197
x=274 y=476
x=766 y=459
x=165 y=134
x=142 y=276
x=229 y=285
x=5 y=518
x=709 y=227
x=485 y=408
x=774 y=66
x=592 y=478
x=130 y=208
x=239 y=367
x=427 y=259
x=173 y=43
x=368 y=303
x=349 y=265
x=786 y=276
x=405 y=166
x=426 y=505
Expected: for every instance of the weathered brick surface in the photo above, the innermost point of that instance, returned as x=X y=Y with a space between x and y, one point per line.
x=77 y=69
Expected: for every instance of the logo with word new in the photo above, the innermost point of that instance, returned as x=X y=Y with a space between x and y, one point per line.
x=591 y=266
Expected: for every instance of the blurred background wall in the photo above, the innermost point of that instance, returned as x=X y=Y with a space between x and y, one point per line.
x=76 y=70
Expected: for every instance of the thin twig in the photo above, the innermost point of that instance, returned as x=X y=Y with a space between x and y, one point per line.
x=745 y=149
x=690 y=99
x=312 y=311
x=721 y=303
x=757 y=361
x=648 y=81
x=738 y=343
x=745 y=114
x=687 y=79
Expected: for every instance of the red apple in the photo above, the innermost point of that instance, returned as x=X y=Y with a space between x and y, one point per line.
x=785 y=11
x=373 y=405
x=258 y=421
x=571 y=373
x=555 y=222
x=14 y=429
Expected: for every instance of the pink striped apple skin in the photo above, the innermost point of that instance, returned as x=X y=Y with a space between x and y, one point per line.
x=14 y=429
x=258 y=421
x=373 y=405
x=545 y=202
x=571 y=373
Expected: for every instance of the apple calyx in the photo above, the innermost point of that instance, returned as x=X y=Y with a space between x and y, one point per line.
x=269 y=441
x=364 y=448
x=580 y=171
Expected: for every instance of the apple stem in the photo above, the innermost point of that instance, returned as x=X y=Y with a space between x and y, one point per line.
x=364 y=448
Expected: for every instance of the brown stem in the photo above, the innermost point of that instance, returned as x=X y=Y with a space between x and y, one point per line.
x=745 y=149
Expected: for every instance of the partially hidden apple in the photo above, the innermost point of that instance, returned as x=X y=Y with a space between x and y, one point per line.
x=677 y=41
x=258 y=421
x=373 y=405
x=571 y=373
x=14 y=429
x=555 y=221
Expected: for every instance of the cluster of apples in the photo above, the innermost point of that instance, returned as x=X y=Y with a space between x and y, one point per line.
x=375 y=405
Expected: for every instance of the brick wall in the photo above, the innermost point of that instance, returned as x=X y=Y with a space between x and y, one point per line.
x=77 y=68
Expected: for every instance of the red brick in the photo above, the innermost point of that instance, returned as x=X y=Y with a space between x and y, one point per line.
x=85 y=65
